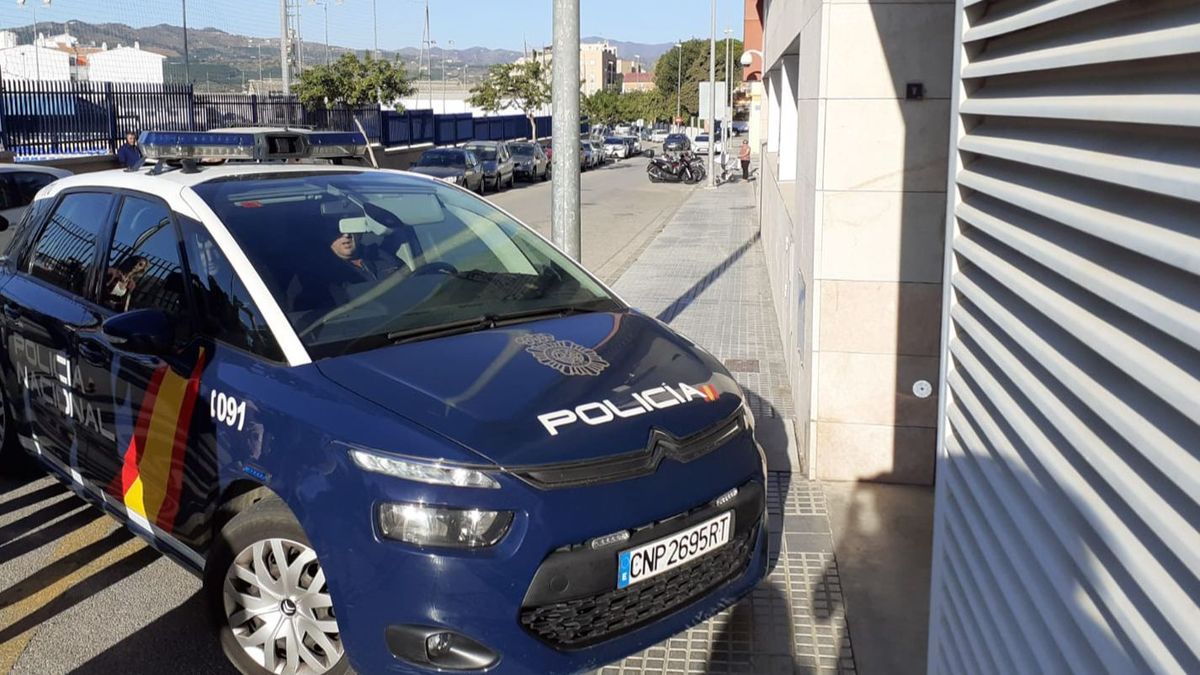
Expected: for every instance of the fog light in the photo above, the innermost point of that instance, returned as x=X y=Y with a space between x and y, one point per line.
x=438 y=645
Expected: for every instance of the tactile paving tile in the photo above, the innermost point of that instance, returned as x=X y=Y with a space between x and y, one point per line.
x=792 y=495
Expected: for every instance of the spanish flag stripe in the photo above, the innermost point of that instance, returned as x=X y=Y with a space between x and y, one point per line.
x=170 y=504
x=155 y=465
x=133 y=453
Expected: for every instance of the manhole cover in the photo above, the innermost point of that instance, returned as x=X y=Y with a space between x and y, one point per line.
x=742 y=365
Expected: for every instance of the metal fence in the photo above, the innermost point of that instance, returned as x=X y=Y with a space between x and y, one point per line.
x=39 y=119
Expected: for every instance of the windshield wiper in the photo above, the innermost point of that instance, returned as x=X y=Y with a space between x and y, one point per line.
x=485 y=322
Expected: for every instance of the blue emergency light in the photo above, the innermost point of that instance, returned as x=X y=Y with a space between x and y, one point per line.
x=264 y=145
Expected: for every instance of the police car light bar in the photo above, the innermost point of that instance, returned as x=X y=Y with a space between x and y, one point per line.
x=259 y=145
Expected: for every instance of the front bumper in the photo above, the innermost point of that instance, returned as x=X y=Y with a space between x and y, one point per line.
x=518 y=596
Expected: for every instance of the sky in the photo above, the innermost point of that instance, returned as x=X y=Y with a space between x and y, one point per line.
x=503 y=24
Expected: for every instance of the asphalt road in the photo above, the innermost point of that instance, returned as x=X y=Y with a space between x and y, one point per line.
x=78 y=594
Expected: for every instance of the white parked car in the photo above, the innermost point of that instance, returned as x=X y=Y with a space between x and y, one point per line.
x=659 y=135
x=700 y=145
x=615 y=146
x=19 y=183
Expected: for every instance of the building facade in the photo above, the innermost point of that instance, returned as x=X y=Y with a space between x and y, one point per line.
x=125 y=64
x=637 y=82
x=597 y=67
x=27 y=62
x=979 y=218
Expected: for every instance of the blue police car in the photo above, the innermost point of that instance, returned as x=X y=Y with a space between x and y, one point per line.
x=389 y=426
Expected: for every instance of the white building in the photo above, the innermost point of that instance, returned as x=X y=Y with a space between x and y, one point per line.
x=8 y=39
x=126 y=64
x=26 y=62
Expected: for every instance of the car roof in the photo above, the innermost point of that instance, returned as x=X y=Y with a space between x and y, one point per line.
x=174 y=180
x=36 y=168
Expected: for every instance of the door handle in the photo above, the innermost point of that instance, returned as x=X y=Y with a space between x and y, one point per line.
x=12 y=312
x=94 y=353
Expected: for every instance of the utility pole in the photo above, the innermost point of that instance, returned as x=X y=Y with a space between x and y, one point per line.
x=564 y=230
x=187 y=61
x=678 y=81
x=727 y=118
x=284 y=44
x=712 y=95
x=375 y=25
x=451 y=42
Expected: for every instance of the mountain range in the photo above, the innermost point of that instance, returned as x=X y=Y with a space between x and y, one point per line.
x=225 y=60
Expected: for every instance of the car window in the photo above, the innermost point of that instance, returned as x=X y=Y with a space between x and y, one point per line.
x=25 y=185
x=224 y=307
x=144 y=269
x=65 y=251
x=371 y=254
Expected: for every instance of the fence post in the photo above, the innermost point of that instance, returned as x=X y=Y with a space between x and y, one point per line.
x=191 y=104
x=254 y=108
x=110 y=107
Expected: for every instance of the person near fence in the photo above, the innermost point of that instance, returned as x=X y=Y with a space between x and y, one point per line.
x=744 y=157
x=129 y=155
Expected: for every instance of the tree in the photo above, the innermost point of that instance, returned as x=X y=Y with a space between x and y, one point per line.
x=694 y=54
x=602 y=107
x=524 y=86
x=349 y=81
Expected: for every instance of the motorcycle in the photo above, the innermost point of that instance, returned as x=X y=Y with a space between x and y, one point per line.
x=683 y=168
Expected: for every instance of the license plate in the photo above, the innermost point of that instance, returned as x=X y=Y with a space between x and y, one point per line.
x=652 y=559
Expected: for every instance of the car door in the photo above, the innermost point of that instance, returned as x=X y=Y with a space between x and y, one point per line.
x=44 y=309
x=146 y=402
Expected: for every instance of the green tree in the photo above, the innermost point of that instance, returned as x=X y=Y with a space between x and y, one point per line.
x=525 y=86
x=353 y=82
x=694 y=55
x=645 y=105
x=602 y=107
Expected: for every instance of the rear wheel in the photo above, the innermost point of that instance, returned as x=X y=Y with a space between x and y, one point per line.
x=268 y=596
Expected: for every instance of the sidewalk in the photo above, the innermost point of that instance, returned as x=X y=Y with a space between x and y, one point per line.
x=706 y=276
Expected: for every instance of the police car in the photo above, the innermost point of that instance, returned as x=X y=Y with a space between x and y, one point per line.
x=387 y=424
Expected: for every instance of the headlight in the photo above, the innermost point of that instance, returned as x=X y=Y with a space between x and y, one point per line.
x=424 y=525
x=451 y=179
x=434 y=474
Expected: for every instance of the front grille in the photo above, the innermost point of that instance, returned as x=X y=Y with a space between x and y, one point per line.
x=582 y=622
x=633 y=464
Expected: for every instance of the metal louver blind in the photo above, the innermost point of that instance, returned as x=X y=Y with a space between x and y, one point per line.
x=1068 y=496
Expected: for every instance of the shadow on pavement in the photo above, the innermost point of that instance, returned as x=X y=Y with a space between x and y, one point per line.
x=179 y=642
x=681 y=303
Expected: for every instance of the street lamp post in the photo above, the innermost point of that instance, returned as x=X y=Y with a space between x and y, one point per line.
x=678 y=80
x=451 y=43
x=712 y=92
x=37 y=59
x=324 y=7
x=187 y=59
x=728 y=117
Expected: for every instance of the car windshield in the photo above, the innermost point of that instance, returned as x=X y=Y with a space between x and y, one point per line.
x=702 y=139
x=372 y=258
x=526 y=150
x=485 y=153
x=613 y=140
x=443 y=158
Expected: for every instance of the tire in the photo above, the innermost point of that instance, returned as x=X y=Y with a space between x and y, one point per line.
x=253 y=540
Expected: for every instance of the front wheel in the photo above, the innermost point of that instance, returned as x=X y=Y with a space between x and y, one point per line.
x=269 y=598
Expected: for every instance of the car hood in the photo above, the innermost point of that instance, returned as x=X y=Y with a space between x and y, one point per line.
x=438 y=171
x=523 y=394
x=489 y=165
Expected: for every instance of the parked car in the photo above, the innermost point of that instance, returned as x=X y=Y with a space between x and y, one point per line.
x=587 y=155
x=497 y=163
x=700 y=145
x=637 y=143
x=677 y=143
x=617 y=147
x=18 y=185
x=739 y=127
x=659 y=135
x=384 y=453
x=453 y=165
x=530 y=161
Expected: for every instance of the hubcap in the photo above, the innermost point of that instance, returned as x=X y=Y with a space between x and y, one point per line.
x=279 y=609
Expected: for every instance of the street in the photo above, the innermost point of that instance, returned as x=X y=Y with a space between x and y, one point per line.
x=78 y=593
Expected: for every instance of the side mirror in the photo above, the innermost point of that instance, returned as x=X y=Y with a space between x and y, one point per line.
x=649 y=152
x=142 y=331
x=3 y=223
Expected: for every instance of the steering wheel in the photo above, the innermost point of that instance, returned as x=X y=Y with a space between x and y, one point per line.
x=436 y=267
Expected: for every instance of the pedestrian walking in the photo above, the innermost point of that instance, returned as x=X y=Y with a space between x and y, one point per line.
x=129 y=155
x=744 y=156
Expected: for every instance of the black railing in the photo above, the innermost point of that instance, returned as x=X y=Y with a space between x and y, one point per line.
x=81 y=118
